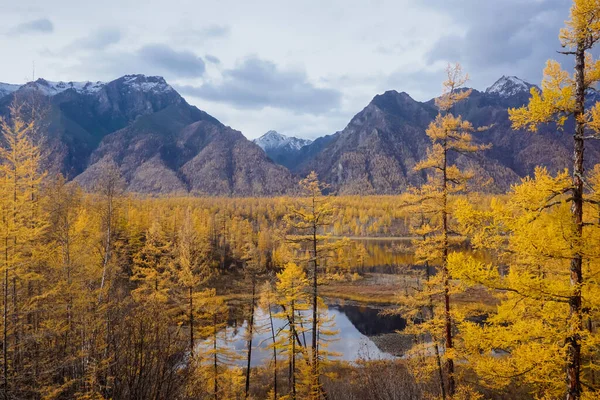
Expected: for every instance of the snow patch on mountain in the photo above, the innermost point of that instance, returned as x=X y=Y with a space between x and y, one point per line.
x=8 y=88
x=145 y=83
x=508 y=86
x=142 y=83
x=51 y=88
x=275 y=140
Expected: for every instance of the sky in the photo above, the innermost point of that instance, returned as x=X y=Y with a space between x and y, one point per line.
x=303 y=67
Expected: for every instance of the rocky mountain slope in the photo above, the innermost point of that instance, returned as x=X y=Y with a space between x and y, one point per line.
x=160 y=143
x=377 y=151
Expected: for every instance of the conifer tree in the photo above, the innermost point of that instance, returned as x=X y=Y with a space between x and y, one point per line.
x=450 y=136
x=268 y=300
x=253 y=267
x=308 y=221
x=20 y=178
x=151 y=268
x=217 y=358
x=525 y=341
x=292 y=285
x=194 y=268
x=563 y=96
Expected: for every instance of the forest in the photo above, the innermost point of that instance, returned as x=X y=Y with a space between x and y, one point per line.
x=107 y=294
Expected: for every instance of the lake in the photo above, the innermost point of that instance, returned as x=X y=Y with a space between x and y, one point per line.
x=355 y=325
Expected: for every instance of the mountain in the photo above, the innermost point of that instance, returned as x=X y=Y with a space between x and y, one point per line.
x=159 y=142
x=7 y=88
x=281 y=148
x=307 y=153
x=273 y=140
x=378 y=149
x=291 y=152
x=509 y=86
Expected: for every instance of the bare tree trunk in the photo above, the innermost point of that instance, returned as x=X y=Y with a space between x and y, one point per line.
x=576 y=275
x=446 y=277
x=107 y=249
x=274 y=353
x=315 y=316
x=215 y=358
x=191 y=301
x=15 y=318
x=293 y=355
x=5 y=331
x=434 y=339
x=250 y=332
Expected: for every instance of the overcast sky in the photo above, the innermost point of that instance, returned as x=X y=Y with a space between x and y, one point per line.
x=302 y=67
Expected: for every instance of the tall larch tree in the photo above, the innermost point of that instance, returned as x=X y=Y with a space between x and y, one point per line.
x=564 y=96
x=307 y=222
x=20 y=163
x=253 y=266
x=194 y=268
x=291 y=293
x=450 y=136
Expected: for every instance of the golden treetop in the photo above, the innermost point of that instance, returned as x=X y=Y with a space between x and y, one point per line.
x=450 y=92
x=583 y=25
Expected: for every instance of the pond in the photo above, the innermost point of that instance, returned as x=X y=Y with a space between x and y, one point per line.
x=354 y=326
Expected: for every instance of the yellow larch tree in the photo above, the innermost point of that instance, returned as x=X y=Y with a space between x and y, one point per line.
x=525 y=342
x=22 y=225
x=563 y=96
x=151 y=270
x=307 y=222
x=194 y=269
x=450 y=136
x=267 y=302
x=217 y=374
x=292 y=296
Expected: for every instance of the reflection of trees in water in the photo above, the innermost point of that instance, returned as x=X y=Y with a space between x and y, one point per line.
x=385 y=256
x=369 y=321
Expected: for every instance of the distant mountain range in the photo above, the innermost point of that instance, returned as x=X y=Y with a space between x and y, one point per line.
x=161 y=144
x=280 y=148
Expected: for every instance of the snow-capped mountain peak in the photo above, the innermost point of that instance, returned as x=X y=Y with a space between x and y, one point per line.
x=50 y=88
x=509 y=86
x=146 y=83
x=133 y=83
x=275 y=140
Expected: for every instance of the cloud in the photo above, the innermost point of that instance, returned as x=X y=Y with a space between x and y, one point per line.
x=509 y=36
x=212 y=59
x=190 y=35
x=255 y=84
x=150 y=59
x=213 y=31
x=181 y=63
x=42 y=25
x=96 y=40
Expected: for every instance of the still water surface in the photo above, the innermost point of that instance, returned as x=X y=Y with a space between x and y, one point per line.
x=354 y=326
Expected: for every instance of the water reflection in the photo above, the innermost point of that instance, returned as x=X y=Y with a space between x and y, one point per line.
x=354 y=326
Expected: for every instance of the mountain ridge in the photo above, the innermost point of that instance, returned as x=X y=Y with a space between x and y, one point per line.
x=161 y=144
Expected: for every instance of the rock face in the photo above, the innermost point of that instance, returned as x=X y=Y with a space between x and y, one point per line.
x=160 y=143
x=377 y=151
x=306 y=154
